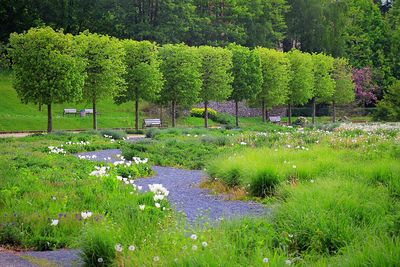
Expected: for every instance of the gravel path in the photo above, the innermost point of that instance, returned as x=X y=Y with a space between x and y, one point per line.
x=185 y=194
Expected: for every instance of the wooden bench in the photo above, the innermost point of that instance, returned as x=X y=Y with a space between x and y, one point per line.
x=275 y=119
x=151 y=123
x=69 y=111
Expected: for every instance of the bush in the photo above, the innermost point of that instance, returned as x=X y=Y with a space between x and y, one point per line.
x=199 y=113
x=301 y=121
x=388 y=109
x=152 y=132
x=264 y=183
x=117 y=135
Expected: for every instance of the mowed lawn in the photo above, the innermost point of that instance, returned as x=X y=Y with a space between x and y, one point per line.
x=16 y=116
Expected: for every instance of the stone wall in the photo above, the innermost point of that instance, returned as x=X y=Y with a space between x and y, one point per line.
x=244 y=110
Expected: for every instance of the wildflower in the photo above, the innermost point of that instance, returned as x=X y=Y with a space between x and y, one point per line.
x=158 y=205
x=294 y=166
x=100 y=260
x=265 y=260
x=158 y=197
x=156 y=258
x=118 y=247
x=53 y=198
x=243 y=143
x=194 y=247
x=288 y=262
x=290 y=235
x=193 y=236
x=131 y=247
x=141 y=207
x=86 y=215
x=54 y=222
x=139 y=187
x=312 y=181
x=204 y=244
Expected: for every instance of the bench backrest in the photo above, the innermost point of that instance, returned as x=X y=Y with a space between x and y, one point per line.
x=152 y=122
x=88 y=110
x=275 y=118
x=69 y=110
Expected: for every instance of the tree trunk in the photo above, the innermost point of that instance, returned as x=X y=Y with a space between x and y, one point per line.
x=161 y=114
x=206 y=114
x=173 y=113
x=49 y=119
x=263 y=110
x=40 y=107
x=266 y=113
x=94 y=114
x=313 y=110
x=137 y=113
x=334 y=112
x=289 y=114
x=237 y=112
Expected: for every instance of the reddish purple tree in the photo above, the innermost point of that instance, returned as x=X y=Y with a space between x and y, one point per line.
x=365 y=88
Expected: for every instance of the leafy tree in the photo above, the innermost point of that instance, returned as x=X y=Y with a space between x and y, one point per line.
x=388 y=108
x=143 y=77
x=344 y=87
x=247 y=75
x=393 y=24
x=180 y=67
x=276 y=75
x=105 y=68
x=324 y=84
x=216 y=76
x=46 y=68
x=301 y=84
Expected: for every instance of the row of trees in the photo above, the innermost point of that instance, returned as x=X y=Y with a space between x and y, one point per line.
x=53 y=67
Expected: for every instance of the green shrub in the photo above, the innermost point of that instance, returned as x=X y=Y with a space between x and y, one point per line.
x=215 y=140
x=10 y=235
x=388 y=109
x=264 y=182
x=152 y=132
x=199 y=113
x=117 y=135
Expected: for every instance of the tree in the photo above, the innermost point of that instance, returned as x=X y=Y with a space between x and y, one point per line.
x=365 y=88
x=344 y=87
x=247 y=75
x=180 y=67
x=301 y=84
x=143 y=77
x=393 y=24
x=388 y=108
x=276 y=75
x=105 y=68
x=46 y=67
x=216 y=65
x=324 y=84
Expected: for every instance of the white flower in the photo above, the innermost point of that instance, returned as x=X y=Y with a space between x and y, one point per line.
x=86 y=214
x=294 y=166
x=288 y=262
x=141 y=207
x=194 y=247
x=312 y=181
x=158 y=197
x=290 y=235
x=100 y=260
x=158 y=189
x=118 y=247
x=193 y=236
x=156 y=258
x=139 y=187
x=54 y=222
x=131 y=247
x=265 y=260
x=204 y=244
x=158 y=205
x=243 y=143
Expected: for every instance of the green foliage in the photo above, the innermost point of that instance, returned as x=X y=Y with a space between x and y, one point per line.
x=301 y=85
x=344 y=87
x=181 y=67
x=276 y=76
x=216 y=74
x=246 y=71
x=199 y=113
x=324 y=84
x=116 y=135
x=388 y=108
x=105 y=67
x=325 y=217
x=57 y=75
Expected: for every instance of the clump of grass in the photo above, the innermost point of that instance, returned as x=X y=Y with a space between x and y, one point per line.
x=152 y=132
x=326 y=216
x=117 y=135
x=264 y=182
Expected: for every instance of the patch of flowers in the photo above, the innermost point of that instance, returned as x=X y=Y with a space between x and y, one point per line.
x=56 y=150
x=100 y=171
